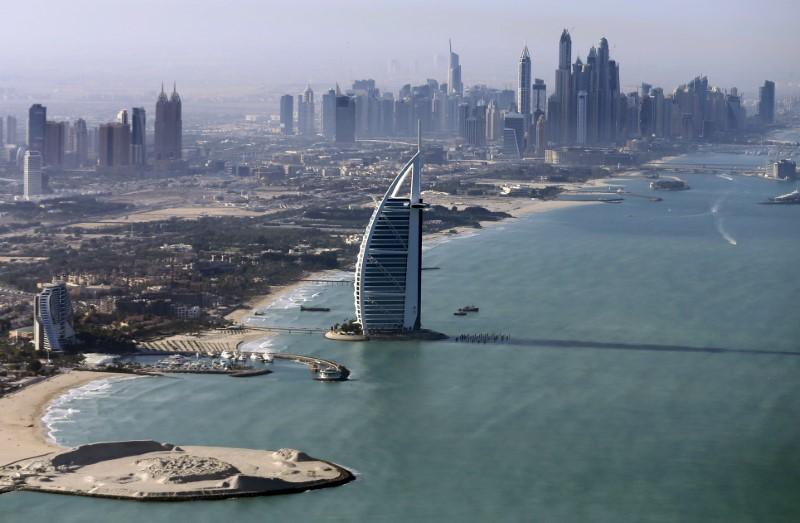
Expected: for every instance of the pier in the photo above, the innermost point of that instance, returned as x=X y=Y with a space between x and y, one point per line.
x=289 y=330
x=482 y=337
x=328 y=282
x=316 y=365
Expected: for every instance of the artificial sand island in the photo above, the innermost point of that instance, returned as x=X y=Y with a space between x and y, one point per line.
x=141 y=470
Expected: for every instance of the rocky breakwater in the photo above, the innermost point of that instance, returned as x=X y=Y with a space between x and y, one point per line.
x=153 y=471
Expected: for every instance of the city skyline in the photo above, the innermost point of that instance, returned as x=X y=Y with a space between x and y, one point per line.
x=693 y=45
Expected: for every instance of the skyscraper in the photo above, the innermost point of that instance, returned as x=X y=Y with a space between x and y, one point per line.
x=524 y=84
x=539 y=104
x=305 y=112
x=387 y=117
x=766 y=102
x=139 y=137
x=32 y=174
x=169 y=126
x=514 y=135
x=115 y=146
x=565 y=50
x=345 y=118
x=583 y=98
x=604 y=92
x=564 y=91
x=11 y=130
x=494 y=122
x=475 y=132
x=541 y=136
x=287 y=114
x=388 y=278
x=329 y=114
x=81 y=143
x=454 y=84
x=55 y=140
x=37 y=124
x=52 y=318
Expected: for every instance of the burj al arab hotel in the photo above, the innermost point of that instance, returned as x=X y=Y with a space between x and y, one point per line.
x=388 y=269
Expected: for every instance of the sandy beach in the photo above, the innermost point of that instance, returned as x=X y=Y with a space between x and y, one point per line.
x=21 y=432
x=276 y=293
x=142 y=469
x=228 y=340
x=516 y=207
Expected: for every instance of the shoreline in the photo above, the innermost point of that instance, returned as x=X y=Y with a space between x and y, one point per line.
x=22 y=429
x=216 y=340
x=516 y=207
x=267 y=300
x=142 y=470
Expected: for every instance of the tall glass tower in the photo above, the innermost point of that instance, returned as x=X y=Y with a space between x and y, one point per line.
x=388 y=269
x=454 y=85
x=37 y=123
x=138 y=141
x=524 y=87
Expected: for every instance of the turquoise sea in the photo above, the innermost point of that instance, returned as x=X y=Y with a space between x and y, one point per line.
x=653 y=375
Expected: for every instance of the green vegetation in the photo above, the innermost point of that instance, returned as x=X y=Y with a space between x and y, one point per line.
x=348 y=327
x=439 y=218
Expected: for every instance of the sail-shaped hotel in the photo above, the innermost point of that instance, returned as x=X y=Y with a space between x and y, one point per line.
x=388 y=269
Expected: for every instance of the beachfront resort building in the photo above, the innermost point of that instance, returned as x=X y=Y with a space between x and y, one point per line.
x=387 y=279
x=52 y=318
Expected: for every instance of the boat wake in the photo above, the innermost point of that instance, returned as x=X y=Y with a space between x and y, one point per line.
x=719 y=222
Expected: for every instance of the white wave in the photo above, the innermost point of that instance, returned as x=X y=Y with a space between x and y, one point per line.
x=59 y=413
x=262 y=345
x=444 y=239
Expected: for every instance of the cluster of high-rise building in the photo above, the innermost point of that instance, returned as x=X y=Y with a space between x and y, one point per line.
x=587 y=108
x=119 y=145
x=306 y=124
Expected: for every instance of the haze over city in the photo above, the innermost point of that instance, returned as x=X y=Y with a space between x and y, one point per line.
x=450 y=261
x=219 y=47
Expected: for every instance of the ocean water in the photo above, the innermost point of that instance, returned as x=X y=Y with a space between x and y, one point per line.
x=653 y=374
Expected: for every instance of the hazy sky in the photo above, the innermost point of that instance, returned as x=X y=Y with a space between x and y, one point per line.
x=240 y=45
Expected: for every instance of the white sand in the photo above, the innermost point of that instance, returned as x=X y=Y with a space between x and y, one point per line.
x=21 y=431
x=140 y=469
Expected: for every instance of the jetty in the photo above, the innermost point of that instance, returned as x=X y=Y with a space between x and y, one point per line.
x=482 y=337
x=318 y=366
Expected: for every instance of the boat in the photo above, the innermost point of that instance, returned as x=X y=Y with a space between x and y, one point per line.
x=328 y=374
x=266 y=357
x=225 y=355
x=786 y=199
x=459 y=313
x=254 y=356
x=669 y=185
x=249 y=373
x=241 y=357
x=258 y=313
x=314 y=309
x=469 y=308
